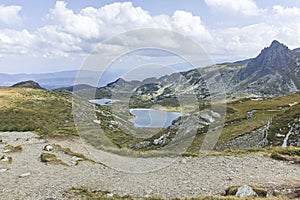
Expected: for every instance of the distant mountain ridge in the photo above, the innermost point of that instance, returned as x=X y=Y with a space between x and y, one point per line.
x=274 y=72
x=47 y=80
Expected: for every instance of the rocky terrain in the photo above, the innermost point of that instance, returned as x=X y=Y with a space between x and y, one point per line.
x=43 y=157
x=27 y=177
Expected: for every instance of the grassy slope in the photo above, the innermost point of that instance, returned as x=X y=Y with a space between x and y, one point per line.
x=50 y=112
x=237 y=123
x=44 y=112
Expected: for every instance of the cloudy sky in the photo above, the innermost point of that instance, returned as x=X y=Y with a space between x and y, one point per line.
x=47 y=36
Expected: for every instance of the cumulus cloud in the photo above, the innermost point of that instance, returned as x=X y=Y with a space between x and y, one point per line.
x=245 y=7
x=17 y=42
x=10 y=15
x=67 y=33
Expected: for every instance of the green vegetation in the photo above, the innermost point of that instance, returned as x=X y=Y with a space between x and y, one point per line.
x=41 y=111
x=85 y=193
x=49 y=113
x=69 y=152
x=51 y=159
x=13 y=149
x=237 y=123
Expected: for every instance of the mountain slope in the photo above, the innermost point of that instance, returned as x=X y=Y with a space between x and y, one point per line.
x=275 y=71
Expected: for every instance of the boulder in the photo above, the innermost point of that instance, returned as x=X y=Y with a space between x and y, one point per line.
x=48 y=148
x=245 y=191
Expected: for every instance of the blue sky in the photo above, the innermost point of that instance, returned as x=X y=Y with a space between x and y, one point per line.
x=48 y=35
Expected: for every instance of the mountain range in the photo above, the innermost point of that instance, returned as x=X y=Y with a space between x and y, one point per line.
x=274 y=72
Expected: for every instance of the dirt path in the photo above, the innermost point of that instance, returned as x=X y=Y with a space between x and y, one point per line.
x=185 y=177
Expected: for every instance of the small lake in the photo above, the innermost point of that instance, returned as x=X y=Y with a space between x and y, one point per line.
x=152 y=118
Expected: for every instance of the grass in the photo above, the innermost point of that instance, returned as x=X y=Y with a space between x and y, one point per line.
x=13 y=149
x=49 y=113
x=69 y=152
x=41 y=111
x=85 y=193
x=51 y=159
x=237 y=123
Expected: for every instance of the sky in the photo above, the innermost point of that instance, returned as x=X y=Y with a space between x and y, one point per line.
x=49 y=36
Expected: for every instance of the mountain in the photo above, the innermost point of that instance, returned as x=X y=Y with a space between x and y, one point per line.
x=27 y=84
x=49 y=80
x=76 y=88
x=274 y=72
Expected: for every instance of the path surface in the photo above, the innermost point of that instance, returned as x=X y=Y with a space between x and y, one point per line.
x=185 y=177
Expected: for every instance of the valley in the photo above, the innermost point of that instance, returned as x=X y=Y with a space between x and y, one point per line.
x=244 y=129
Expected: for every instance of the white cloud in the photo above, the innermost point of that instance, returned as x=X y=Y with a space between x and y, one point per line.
x=245 y=7
x=287 y=12
x=184 y=22
x=70 y=34
x=17 y=42
x=10 y=14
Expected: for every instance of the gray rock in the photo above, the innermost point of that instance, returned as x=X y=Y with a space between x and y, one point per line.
x=245 y=191
x=24 y=175
x=161 y=140
x=3 y=170
x=141 y=145
x=48 y=147
x=4 y=159
x=6 y=151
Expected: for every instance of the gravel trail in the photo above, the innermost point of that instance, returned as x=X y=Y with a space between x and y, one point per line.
x=184 y=177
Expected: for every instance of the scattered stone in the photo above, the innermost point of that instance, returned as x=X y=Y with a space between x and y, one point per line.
x=250 y=114
x=97 y=121
x=280 y=135
x=77 y=158
x=3 y=170
x=141 y=145
x=183 y=161
x=6 y=150
x=48 y=147
x=5 y=159
x=245 y=191
x=161 y=140
x=24 y=175
x=110 y=194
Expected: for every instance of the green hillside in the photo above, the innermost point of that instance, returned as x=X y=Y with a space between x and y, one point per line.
x=42 y=111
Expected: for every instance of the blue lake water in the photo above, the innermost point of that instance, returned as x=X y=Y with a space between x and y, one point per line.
x=152 y=118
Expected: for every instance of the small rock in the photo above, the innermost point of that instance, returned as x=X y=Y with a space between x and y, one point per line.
x=110 y=194
x=4 y=159
x=48 y=147
x=3 y=170
x=6 y=151
x=245 y=191
x=77 y=158
x=183 y=161
x=24 y=175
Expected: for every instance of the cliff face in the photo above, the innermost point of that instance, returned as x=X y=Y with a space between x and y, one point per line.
x=275 y=71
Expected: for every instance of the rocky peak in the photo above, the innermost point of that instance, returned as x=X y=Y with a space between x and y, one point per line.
x=276 y=57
